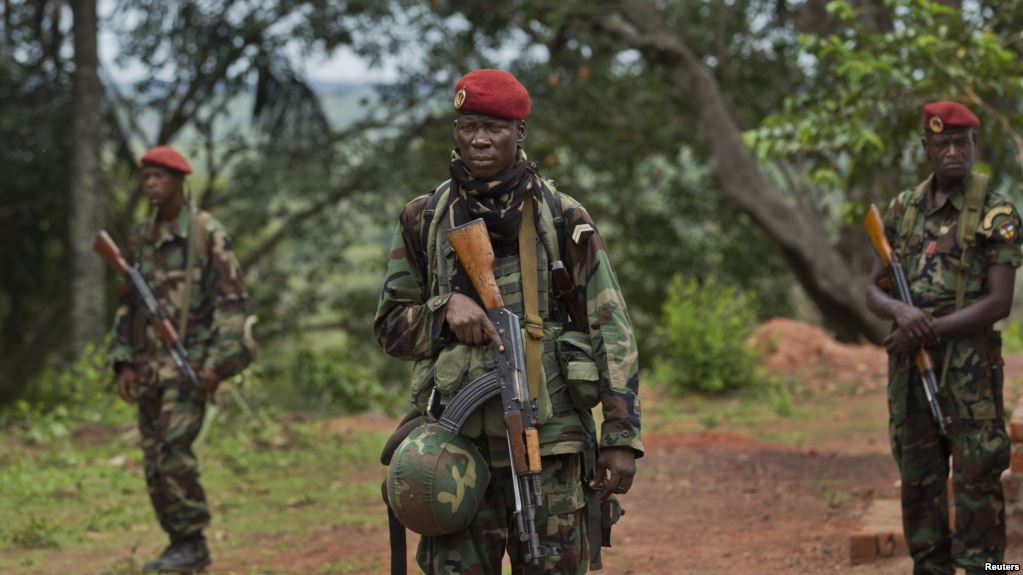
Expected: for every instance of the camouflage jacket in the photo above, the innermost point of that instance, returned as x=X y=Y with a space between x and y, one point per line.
x=217 y=302
x=932 y=253
x=931 y=261
x=410 y=323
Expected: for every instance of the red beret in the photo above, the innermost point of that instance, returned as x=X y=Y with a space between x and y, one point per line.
x=167 y=157
x=947 y=114
x=493 y=93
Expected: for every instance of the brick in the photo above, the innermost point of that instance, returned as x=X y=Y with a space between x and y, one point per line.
x=1016 y=460
x=863 y=547
x=886 y=545
x=1014 y=519
x=1011 y=486
x=1016 y=428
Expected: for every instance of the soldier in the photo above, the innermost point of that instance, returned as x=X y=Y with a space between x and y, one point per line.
x=429 y=313
x=178 y=238
x=961 y=283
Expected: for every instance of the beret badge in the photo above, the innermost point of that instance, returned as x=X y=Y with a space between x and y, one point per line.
x=459 y=98
x=936 y=125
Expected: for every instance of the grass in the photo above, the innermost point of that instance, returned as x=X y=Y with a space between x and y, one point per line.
x=780 y=411
x=90 y=500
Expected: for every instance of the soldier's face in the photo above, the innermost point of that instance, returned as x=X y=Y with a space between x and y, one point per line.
x=160 y=184
x=488 y=144
x=951 y=153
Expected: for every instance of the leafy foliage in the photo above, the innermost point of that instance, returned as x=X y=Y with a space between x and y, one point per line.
x=702 y=338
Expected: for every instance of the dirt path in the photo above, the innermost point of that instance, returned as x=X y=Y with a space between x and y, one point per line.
x=723 y=500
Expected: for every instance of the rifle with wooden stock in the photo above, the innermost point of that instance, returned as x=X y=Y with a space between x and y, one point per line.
x=154 y=312
x=899 y=288
x=472 y=245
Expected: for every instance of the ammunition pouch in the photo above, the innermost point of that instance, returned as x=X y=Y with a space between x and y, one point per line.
x=579 y=368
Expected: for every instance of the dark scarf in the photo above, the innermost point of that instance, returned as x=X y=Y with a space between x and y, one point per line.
x=497 y=201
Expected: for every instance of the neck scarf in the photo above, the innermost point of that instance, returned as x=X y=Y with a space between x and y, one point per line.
x=498 y=201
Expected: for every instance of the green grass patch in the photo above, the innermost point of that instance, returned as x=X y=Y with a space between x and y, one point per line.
x=263 y=477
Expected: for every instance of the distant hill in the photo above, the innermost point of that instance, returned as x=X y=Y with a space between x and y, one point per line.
x=343 y=103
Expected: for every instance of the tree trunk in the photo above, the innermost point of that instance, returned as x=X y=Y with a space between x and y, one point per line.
x=837 y=290
x=88 y=312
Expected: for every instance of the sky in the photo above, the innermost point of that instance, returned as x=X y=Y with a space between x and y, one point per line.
x=342 y=67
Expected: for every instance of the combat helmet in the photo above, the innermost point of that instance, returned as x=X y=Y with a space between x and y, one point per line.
x=436 y=481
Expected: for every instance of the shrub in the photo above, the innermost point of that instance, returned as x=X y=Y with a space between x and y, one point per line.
x=63 y=397
x=701 y=340
x=331 y=379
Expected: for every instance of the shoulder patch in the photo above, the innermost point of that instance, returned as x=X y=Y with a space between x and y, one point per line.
x=581 y=232
x=989 y=218
x=1007 y=230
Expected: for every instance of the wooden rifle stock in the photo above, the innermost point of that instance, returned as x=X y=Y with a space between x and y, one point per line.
x=896 y=284
x=107 y=249
x=875 y=229
x=472 y=244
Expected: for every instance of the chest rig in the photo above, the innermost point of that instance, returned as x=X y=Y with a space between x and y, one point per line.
x=966 y=238
x=523 y=278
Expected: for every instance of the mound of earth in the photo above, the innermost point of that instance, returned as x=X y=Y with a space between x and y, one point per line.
x=798 y=349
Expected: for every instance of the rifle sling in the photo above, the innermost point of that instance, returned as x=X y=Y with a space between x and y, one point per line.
x=186 y=286
x=533 y=343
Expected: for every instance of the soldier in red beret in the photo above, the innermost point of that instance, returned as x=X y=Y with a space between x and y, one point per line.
x=430 y=313
x=958 y=240
x=185 y=256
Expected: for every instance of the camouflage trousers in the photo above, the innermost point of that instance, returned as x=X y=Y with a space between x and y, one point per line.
x=561 y=524
x=170 y=417
x=979 y=449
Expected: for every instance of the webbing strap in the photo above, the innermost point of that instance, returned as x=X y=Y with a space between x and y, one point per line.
x=966 y=235
x=530 y=297
x=186 y=286
x=437 y=203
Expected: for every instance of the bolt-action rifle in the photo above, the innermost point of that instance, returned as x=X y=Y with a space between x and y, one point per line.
x=154 y=312
x=900 y=290
x=472 y=244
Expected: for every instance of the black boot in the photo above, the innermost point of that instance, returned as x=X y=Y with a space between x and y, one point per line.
x=186 y=555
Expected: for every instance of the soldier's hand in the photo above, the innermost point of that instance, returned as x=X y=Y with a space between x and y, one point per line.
x=470 y=323
x=620 y=463
x=209 y=381
x=916 y=324
x=126 y=384
x=899 y=343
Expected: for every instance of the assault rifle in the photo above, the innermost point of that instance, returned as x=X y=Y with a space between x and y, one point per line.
x=154 y=312
x=900 y=290
x=472 y=244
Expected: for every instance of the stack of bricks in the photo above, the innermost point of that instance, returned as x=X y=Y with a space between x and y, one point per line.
x=1012 y=478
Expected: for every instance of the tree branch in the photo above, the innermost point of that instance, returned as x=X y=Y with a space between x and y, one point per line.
x=836 y=290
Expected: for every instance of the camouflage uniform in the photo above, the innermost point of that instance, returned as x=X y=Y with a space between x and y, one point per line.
x=410 y=325
x=971 y=394
x=170 y=408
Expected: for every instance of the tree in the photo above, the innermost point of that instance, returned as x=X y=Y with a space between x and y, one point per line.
x=88 y=312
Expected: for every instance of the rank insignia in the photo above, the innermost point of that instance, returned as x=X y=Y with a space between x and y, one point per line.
x=936 y=125
x=989 y=218
x=459 y=98
x=1007 y=230
x=581 y=232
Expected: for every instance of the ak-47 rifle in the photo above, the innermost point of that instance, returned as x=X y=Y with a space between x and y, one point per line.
x=472 y=244
x=900 y=290
x=154 y=312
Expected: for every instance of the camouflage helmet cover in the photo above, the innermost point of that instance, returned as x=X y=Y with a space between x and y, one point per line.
x=436 y=481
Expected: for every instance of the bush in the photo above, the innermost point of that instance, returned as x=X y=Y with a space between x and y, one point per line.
x=701 y=340
x=1012 y=337
x=61 y=398
x=331 y=379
